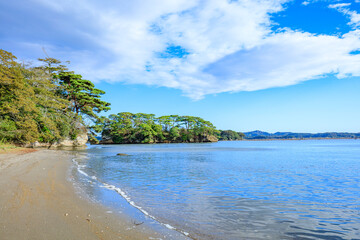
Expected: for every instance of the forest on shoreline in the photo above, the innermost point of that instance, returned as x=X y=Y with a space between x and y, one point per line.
x=47 y=103
x=127 y=127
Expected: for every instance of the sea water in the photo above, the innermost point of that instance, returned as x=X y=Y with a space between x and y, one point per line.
x=233 y=189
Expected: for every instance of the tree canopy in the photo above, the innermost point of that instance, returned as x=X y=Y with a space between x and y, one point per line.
x=47 y=102
x=84 y=98
x=126 y=127
x=44 y=103
x=229 y=135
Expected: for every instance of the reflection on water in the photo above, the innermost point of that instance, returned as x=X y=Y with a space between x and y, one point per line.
x=247 y=190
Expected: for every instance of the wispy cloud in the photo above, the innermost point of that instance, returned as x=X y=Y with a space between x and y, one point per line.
x=344 y=8
x=339 y=5
x=200 y=47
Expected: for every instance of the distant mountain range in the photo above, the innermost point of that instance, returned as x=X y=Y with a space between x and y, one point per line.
x=290 y=135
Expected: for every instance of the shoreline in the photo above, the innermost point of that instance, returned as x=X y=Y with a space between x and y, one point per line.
x=239 y=140
x=39 y=202
x=290 y=139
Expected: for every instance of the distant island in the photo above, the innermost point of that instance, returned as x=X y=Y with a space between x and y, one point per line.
x=260 y=135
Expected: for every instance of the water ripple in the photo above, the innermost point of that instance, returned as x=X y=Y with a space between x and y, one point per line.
x=241 y=190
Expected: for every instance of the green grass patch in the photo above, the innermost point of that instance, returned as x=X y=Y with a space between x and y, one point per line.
x=7 y=146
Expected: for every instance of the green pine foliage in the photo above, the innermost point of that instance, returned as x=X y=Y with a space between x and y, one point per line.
x=17 y=102
x=40 y=104
x=84 y=98
x=47 y=103
x=126 y=127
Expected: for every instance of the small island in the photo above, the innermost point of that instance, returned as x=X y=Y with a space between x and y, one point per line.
x=128 y=128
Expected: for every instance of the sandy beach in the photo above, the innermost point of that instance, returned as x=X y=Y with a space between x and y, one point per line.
x=37 y=201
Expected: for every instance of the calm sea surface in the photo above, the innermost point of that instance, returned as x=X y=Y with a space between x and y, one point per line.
x=234 y=190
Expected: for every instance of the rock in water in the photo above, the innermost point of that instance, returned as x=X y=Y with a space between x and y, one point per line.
x=122 y=154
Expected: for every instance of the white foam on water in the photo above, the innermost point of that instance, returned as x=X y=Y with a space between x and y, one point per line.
x=127 y=198
x=132 y=203
x=79 y=168
x=169 y=226
x=82 y=172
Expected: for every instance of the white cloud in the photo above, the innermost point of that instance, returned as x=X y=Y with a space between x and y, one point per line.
x=343 y=8
x=305 y=3
x=339 y=5
x=288 y=58
x=229 y=45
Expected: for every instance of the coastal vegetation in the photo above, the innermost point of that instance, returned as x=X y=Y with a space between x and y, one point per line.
x=126 y=127
x=230 y=135
x=6 y=146
x=47 y=103
x=44 y=102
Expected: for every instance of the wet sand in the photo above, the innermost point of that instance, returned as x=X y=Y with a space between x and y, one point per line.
x=37 y=201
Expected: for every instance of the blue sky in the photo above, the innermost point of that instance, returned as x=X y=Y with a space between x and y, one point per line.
x=273 y=65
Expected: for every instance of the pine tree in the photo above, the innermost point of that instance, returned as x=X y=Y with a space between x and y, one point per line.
x=17 y=102
x=84 y=97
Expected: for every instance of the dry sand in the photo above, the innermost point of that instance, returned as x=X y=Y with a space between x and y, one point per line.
x=38 y=202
